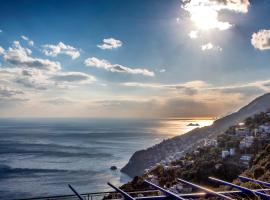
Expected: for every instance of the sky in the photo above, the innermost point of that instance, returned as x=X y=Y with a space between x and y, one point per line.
x=136 y=58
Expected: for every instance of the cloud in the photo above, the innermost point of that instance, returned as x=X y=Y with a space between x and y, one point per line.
x=30 y=42
x=60 y=48
x=110 y=43
x=157 y=107
x=162 y=70
x=189 y=88
x=73 y=77
x=198 y=87
x=210 y=46
x=58 y=101
x=33 y=79
x=104 y=64
x=205 y=13
x=28 y=78
x=2 y=50
x=8 y=92
x=261 y=40
x=21 y=57
x=193 y=34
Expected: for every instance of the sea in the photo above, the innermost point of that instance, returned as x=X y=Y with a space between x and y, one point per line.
x=40 y=157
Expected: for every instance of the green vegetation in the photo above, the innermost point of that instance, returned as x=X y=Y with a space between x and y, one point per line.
x=206 y=161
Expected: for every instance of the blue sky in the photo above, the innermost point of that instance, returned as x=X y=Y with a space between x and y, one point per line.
x=116 y=58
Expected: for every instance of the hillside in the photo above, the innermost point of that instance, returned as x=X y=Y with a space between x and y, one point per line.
x=243 y=149
x=144 y=159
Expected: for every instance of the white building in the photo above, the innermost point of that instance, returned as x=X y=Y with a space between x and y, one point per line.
x=264 y=128
x=210 y=142
x=232 y=151
x=246 y=142
x=225 y=153
x=245 y=159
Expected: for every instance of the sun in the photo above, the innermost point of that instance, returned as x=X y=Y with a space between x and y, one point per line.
x=204 y=14
x=206 y=18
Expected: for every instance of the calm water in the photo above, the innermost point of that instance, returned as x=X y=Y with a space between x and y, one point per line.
x=41 y=156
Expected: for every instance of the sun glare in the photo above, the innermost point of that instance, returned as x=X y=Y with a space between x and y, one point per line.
x=204 y=15
x=206 y=18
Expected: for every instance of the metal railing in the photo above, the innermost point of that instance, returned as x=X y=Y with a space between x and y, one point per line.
x=93 y=196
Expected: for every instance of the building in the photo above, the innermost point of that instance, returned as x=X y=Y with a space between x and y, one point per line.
x=241 y=130
x=246 y=142
x=232 y=151
x=245 y=159
x=225 y=153
x=210 y=143
x=265 y=128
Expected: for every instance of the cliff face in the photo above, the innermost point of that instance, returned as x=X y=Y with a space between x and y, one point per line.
x=144 y=159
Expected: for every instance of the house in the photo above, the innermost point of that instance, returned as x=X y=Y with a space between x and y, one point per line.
x=246 y=142
x=225 y=153
x=245 y=159
x=241 y=130
x=210 y=143
x=265 y=128
x=232 y=151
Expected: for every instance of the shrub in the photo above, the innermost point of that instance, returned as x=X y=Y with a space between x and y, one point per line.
x=258 y=172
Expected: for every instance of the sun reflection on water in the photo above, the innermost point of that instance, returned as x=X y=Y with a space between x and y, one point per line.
x=174 y=127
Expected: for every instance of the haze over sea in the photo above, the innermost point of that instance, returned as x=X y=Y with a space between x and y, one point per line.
x=39 y=157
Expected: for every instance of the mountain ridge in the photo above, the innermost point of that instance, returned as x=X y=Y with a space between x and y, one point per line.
x=182 y=144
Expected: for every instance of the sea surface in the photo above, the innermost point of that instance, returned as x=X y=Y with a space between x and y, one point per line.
x=39 y=157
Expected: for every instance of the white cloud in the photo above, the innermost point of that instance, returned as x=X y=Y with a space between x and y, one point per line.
x=162 y=70
x=21 y=57
x=1 y=31
x=30 y=42
x=59 y=101
x=8 y=92
x=205 y=13
x=207 y=46
x=261 y=40
x=193 y=34
x=110 y=43
x=2 y=50
x=60 y=48
x=210 y=46
x=73 y=77
x=104 y=64
x=33 y=79
x=205 y=89
x=26 y=77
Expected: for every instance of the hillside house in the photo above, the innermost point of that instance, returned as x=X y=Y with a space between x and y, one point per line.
x=210 y=143
x=242 y=130
x=245 y=159
x=265 y=128
x=246 y=142
x=224 y=154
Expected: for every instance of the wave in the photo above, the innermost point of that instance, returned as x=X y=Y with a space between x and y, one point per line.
x=6 y=170
x=50 y=150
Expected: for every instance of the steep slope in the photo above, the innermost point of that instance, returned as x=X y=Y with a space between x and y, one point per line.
x=144 y=159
